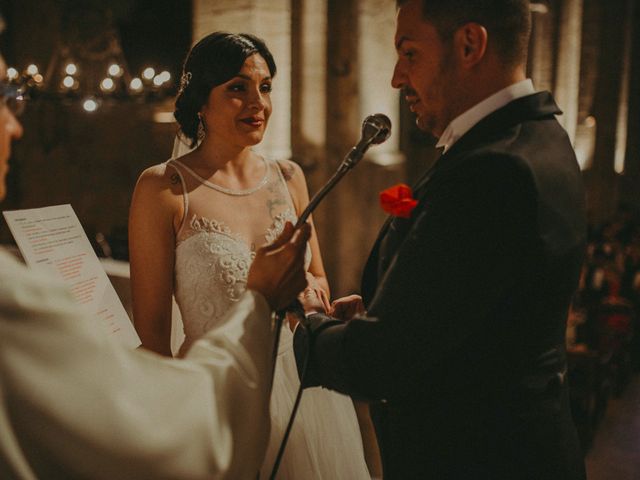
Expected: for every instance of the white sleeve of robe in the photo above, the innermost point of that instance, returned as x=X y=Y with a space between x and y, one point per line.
x=76 y=404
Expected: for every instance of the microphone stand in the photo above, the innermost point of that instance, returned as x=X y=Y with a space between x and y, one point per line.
x=350 y=161
x=382 y=132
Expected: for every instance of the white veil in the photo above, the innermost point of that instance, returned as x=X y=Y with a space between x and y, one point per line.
x=180 y=147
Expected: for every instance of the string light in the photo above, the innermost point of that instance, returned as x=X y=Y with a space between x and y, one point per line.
x=148 y=73
x=68 y=81
x=90 y=105
x=12 y=73
x=136 y=85
x=107 y=85
x=115 y=70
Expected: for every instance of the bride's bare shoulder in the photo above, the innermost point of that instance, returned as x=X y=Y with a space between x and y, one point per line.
x=160 y=178
x=296 y=184
x=291 y=171
x=293 y=174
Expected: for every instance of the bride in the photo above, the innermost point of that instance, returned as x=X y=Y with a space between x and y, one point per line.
x=195 y=223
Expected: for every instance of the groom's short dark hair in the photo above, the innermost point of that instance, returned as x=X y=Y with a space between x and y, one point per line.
x=508 y=22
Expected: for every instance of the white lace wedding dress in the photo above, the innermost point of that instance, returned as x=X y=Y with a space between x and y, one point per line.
x=215 y=247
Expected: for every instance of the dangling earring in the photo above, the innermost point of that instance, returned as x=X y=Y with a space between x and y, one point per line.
x=201 y=132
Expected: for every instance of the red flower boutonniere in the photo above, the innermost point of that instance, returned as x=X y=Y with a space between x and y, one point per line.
x=398 y=200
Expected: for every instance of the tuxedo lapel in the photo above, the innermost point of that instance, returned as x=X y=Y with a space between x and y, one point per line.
x=369 y=281
x=389 y=239
x=426 y=176
x=375 y=264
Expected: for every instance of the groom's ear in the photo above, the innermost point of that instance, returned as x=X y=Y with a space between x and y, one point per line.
x=470 y=44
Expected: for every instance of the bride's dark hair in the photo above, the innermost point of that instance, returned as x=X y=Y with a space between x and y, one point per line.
x=214 y=60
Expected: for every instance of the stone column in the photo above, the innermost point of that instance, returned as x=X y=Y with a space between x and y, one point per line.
x=601 y=178
x=270 y=20
x=623 y=109
x=308 y=81
x=377 y=55
x=585 y=135
x=340 y=208
x=567 y=84
x=540 y=63
x=629 y=192
x=358 y=76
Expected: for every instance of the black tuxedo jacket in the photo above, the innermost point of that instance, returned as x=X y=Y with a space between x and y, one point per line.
x=463 y=345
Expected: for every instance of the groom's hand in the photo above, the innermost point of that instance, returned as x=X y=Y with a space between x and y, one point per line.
x=346 y=308
x=278 y=272
x=313 y=298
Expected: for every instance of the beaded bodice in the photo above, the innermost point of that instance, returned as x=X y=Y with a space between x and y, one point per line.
x=217 y=242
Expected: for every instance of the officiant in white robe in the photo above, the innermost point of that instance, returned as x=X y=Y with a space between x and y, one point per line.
x=76 y=404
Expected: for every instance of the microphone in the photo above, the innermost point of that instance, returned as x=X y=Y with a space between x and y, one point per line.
x=376 y=129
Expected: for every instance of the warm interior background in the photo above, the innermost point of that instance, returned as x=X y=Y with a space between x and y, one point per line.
x=335 y=59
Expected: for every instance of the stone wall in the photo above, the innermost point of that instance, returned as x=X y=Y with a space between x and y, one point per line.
x=334 y=66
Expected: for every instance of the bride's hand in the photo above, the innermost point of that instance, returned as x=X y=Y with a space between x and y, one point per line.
x=346 y=308
x=277 y=271
x=314 y=298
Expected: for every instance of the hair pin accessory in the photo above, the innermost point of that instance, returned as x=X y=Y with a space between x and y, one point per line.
x=184 y=80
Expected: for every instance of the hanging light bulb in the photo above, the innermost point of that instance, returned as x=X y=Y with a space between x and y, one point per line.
x=165 y=76
x=107 y=85
x=136 y=85
x=12 y=73
x=68 y=82
x=32 y=70
x=148 y=73
x=71 y=69
x=115 y=70
x=90 y=105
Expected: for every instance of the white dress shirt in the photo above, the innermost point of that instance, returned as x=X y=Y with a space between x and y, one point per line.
x=76 y=404
x=465 y=121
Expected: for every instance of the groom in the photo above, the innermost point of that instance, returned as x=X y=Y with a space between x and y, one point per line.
x=462 y=348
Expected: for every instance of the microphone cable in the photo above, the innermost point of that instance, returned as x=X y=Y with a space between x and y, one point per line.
x=375 y=130
x=299 y=311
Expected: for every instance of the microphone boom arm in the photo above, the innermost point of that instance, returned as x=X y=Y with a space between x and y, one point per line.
x=317 y=198
x=350 y=161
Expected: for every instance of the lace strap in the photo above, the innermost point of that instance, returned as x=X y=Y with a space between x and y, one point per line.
x=185 y=195
x=285 y=186
x=228 y=191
